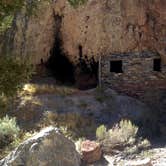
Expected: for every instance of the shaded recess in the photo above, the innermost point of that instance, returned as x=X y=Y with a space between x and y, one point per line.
x=86 y=71
x=84 y=74
x=58 y=64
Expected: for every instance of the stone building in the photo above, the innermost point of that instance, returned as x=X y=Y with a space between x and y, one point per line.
x=60 y=35
x=132 y=69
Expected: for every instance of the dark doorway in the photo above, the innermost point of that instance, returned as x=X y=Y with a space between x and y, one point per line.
x=157 y=64
x=116 y=66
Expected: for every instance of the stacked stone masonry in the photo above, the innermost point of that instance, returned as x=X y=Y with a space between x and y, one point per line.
x=137 y=69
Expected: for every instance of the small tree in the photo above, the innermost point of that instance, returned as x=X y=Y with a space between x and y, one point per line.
x=13 y=73
x=8 y=9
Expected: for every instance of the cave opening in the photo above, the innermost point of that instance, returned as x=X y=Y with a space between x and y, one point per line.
x=58 y=64
x=84 y=74
x=86 y=71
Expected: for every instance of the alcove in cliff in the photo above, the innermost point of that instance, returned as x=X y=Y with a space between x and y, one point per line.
x=58 y=64
x=84 y=74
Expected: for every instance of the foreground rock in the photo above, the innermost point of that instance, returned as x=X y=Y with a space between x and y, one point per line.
x=145 y=162
x=91 y=151
x=47 y=148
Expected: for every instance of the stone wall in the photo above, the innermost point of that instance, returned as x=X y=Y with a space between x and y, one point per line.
x=137 y=69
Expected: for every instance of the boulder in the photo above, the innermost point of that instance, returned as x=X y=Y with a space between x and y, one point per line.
x=91 y=151
x=47 y=148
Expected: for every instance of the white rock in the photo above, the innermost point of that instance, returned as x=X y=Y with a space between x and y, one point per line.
x=47 y=148
x=145 y=162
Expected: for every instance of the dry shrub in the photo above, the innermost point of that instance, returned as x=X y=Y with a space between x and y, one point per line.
x=122 y=137
x=35 y=89
x=8 y=131
x=73 y=125
x=123 y=132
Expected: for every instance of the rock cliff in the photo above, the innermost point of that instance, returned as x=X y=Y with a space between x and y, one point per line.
x=96 y=28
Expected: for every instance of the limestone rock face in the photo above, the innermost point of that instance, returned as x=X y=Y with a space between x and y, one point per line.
x=47 y=148
x=101 y=27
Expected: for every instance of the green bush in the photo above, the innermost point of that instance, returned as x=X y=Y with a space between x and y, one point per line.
x=13 y=73
x=8 y=131
x=101 y=132
x=76 y=3
x=122 y=137
x=8 y=8
x=123 y=132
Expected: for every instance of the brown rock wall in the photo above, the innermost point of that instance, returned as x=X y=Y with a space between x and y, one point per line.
x=101 y=27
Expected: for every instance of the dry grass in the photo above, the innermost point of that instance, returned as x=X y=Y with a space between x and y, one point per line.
x=36 y=89
x=122 y=137
x=72 y=125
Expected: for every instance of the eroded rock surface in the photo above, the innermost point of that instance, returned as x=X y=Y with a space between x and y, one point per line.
x=100 y=27
x=47 y=148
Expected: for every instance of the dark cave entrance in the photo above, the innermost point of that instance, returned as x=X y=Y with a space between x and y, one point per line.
x=58 y=64
x=84 y=74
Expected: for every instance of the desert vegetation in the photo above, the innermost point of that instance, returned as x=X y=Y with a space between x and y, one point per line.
x=122 y=137
x=14 y=73
x=11 y=135
x=9 y=8
x=8 y=131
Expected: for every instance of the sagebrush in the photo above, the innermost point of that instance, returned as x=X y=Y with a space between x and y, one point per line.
x=123 y=136
x=9 y=131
